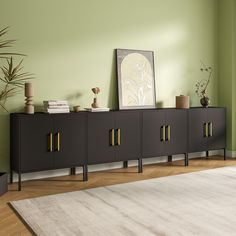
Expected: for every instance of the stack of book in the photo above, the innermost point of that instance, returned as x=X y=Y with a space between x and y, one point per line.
x=100 y=109
x=56 y=106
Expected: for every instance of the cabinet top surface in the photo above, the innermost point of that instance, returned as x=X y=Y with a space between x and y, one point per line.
x=127 y=110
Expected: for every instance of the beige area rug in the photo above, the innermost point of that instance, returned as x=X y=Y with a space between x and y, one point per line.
x=199 y=203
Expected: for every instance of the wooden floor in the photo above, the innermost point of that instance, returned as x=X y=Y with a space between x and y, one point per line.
x=10 y=224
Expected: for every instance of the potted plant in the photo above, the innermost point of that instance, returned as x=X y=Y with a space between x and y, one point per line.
x=12 y=80
x=12 y=77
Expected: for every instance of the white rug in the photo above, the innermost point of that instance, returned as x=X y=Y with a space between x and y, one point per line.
x=199 y=203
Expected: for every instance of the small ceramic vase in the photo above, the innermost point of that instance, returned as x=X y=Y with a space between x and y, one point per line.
x=76 y=108
x=205 y=101
x=29 y=102
x=95 y=103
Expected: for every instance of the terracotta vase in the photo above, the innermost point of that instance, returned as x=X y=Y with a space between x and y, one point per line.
x=182 y=102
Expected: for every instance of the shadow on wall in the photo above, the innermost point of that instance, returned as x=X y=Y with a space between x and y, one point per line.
x=17 y=109
x=5 y=142
x=113 y=89
x=160 y=104
x=74 y=98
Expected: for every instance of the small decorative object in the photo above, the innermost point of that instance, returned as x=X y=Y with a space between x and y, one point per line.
x=136 y=79
x=201 y=86
x=96 y=91
x=3 y=183
x=76 y=108
x=29 y=103
x=182 y=102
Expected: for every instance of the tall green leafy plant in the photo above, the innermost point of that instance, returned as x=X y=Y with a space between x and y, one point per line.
x=12 y=77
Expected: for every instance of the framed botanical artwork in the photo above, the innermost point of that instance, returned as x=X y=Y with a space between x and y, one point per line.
x=136 y=79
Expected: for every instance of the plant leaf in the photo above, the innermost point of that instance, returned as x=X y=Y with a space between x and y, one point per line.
x=4 y=31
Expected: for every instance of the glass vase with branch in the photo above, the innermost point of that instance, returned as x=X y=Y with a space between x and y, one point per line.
x=202 y=85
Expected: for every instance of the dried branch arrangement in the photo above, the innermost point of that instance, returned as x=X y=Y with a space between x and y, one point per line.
x=201 y=86
x=96 y=90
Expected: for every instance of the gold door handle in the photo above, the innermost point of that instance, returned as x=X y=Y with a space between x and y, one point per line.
x=118 y=137
x=205 y=130
x=168 y=132
x=112 y=137
x=58 y=142
x=210 y=129
x=163 y=133
x=50 y=142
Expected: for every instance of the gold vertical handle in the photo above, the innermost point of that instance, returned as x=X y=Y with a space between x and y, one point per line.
x=210 y=129
x=163 y=133
x=118 y=137
x=205 y=130
x=113 y=137
x=168 y=133
x=50 y=142
x=58 y=142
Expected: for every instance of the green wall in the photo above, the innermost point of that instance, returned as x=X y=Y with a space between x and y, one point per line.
x=70 y=47
x=227 y=66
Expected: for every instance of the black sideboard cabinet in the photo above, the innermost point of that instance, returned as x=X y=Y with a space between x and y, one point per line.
x=165 y=133
x=45 y=142
x=53 y=141
x=206 y=129
x=114 y=136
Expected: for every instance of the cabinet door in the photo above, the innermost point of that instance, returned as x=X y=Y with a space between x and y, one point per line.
x=70 y=140
x=196 y=136
x=100 y=147
x=35 y=142
x=176 y=131
x=128 y=135
x=153 y=122
x=217 y=132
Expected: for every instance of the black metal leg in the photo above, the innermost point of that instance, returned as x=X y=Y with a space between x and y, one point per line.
x=19 y=181
x=85 y=173
x=125 y=164
x=11 y=176
x=186 y=159
x=207 y=153
x=72 y=170
x=140 y=165
x=170 y=158
x=224 y=154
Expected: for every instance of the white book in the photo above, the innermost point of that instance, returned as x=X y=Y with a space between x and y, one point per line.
x=55 y=102
x=100 y=109
x=51 y=111
x=57 y=107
